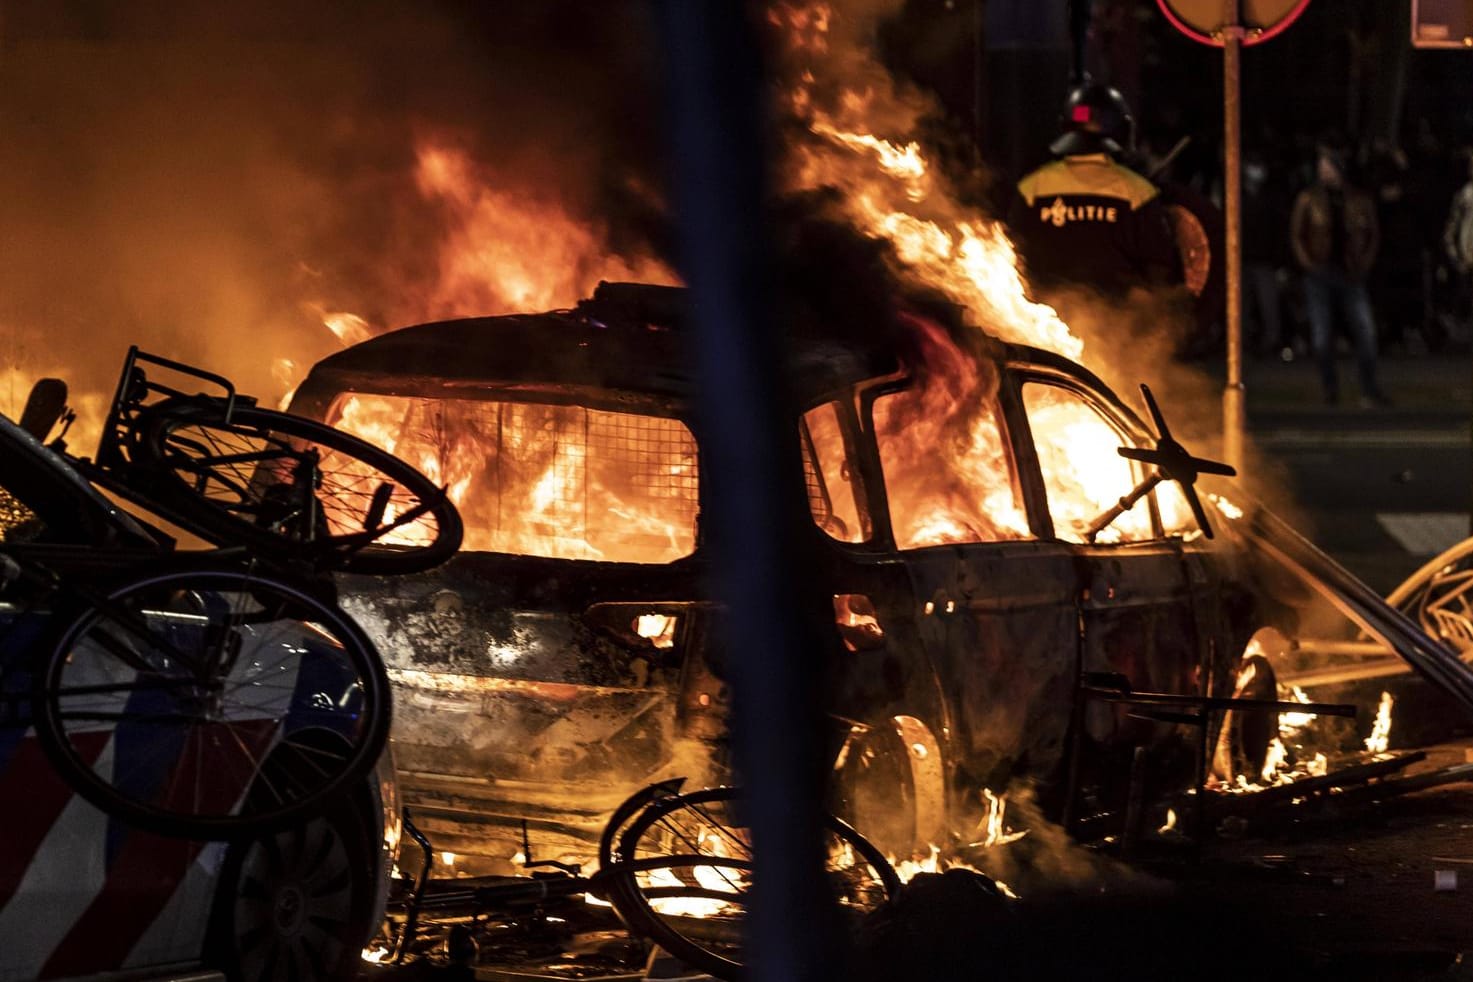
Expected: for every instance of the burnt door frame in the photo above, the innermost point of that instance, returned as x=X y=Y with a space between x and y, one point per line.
x=960 y=601
x=887 y=698
x=1130 y=595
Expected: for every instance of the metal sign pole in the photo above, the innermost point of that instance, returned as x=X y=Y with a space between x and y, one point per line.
x=1220 y=23
x=1233 y=408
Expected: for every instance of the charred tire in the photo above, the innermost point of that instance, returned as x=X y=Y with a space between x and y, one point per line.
x=211 y=470
x=1249 y=734
x=296 y=905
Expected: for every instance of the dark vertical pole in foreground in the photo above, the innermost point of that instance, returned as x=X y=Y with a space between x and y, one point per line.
x=755 y=516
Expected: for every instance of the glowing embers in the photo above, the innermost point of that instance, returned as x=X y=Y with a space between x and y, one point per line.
x=992 y=831
x=657 y=629
x=565 y=482
x=936 y=863
x=1289 y=760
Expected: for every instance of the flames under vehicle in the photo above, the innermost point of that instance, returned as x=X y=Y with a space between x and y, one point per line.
x=571 y=652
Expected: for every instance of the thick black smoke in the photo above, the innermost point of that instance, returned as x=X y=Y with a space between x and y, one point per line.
x=206 y=179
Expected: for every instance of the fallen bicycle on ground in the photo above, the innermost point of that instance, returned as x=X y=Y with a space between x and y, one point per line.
x=675 y=865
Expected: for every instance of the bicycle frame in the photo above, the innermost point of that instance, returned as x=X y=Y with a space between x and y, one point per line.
x=116 y=470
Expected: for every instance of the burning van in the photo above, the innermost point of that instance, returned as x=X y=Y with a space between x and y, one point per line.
x=1002 y=618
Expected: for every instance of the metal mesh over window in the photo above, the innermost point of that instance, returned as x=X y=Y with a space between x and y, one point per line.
x=818 y=499
x=547 y=480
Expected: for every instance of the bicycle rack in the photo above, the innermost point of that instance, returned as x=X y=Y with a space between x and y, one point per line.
x=134 y=387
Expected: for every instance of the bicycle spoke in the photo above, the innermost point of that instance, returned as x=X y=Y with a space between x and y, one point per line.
x=306 y=760
x=686 y=861
x=721 y=826
x=217 y=450
x=695 y=845
x=99 y=716
x=137 y=625
x=693 y=902
x=298 y=486
x=112 y=687
x=695 y=893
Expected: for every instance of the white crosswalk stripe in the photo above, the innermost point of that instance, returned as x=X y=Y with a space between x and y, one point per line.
x=1425 y=533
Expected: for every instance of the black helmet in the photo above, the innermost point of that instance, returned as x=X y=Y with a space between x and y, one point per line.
x=1096 y=120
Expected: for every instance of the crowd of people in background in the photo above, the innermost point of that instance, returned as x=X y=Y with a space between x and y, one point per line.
x=1369 y=246
x=1372 y=245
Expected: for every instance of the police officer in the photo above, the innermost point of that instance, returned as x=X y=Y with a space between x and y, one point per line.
x=1086 y=219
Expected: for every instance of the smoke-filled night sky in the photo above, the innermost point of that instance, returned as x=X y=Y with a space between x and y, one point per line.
x=216 y=183
x=210 y=179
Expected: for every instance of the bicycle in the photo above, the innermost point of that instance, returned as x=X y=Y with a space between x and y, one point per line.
x=287 y=487
x=203 y=698
x=677 y=868
x=1436 y=596
x=223 y=694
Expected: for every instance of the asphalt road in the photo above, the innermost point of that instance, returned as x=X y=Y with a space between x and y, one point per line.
x=1382 y=490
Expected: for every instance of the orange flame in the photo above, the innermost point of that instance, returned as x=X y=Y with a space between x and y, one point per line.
x=892 y=192
x=863 y=145
x=1380 y=738
x=506 y=252
x=947 y=471
x=545 y=480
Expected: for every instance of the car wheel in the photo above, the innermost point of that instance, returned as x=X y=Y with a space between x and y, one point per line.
x=889 y=784
x=1246 y=736
x=293 y=905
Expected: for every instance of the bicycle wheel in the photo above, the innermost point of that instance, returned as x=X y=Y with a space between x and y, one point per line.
x=683 y=869
x=295 y=487
x=210 y=702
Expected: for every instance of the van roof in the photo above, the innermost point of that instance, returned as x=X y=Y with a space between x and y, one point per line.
x=626 y=338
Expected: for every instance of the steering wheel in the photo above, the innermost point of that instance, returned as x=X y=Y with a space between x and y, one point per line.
x=1173 y=463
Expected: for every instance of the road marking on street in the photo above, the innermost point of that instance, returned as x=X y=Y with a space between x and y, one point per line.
x=1425 y=533
x=1371 y=439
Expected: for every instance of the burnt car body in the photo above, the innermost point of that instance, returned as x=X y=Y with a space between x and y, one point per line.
x=567 y=656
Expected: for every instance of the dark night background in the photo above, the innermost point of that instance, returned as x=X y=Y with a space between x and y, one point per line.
x=1346 y=68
